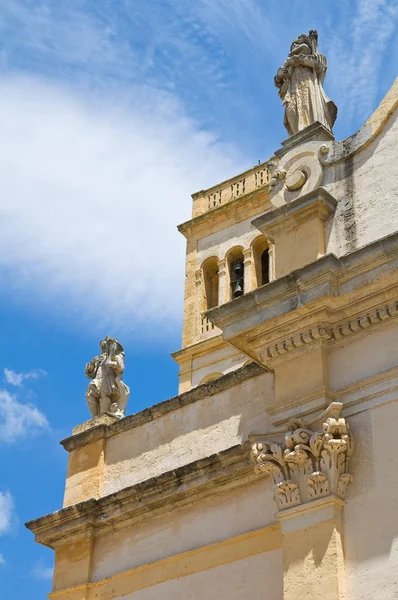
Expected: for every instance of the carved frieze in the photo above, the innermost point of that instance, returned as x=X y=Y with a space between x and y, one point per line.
x=309 y=464
x=328 y=333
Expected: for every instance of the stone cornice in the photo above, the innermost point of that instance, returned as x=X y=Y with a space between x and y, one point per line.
x=317 y=203
x=198 y=348
x=105 y=430
x=327 y=333
x=210 y=219
x=225 y=470
x=307 y=302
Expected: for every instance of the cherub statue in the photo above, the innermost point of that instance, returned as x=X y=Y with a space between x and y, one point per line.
x=300 y=82
x=107 y=393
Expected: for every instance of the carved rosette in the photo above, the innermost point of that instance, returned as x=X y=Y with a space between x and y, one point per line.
x=309 y=464
x=297 y=173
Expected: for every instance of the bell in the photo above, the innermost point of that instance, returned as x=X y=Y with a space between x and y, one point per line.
x=238 y=287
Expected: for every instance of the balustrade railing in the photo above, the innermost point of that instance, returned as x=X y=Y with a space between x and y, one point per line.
x=233 y=188
x=206 y=325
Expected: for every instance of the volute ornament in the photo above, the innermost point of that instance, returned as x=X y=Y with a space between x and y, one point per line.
x=106 y=392
x=309 y=464
x=298 y=172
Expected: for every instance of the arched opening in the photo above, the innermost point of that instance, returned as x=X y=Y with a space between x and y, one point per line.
x=210 y=283
x=265 y=267
x=261 y=258
x=236 y=272
x=210 y=377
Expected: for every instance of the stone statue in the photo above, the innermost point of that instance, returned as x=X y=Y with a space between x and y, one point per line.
x=300 y=82
x=107 y=393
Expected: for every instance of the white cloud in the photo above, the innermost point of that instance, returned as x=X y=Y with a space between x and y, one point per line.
x=91 y=195
x=41 y=571
x=358 y=49
x=2 y=560
x=6 y=512
x=17 y=379
x=17 y=420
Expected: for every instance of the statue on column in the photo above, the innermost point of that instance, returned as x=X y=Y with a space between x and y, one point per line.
x=106 y=392
x=300 y=82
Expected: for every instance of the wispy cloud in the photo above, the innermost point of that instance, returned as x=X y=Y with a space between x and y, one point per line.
x=40 y=571
x=18 y=420
x=17 y=379
x=6 y=512
x=358 y=49
x=117 y=125
x=91 y=195
x=2 y=560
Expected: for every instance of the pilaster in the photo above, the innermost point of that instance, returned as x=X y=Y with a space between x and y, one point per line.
x=310 y=473
x=313 y=558
x=248 y=270
x=222 y=281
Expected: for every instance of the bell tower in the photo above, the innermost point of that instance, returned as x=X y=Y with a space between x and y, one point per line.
x=226 y=257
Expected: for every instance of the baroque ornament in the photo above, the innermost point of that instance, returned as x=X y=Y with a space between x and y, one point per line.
x=298 y=172
x=106 y=392
x=309 y=464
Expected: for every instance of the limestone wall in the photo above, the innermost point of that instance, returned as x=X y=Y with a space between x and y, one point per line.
x=223 y=516
x=261 y=574
x=366 y=186
x=195 y=431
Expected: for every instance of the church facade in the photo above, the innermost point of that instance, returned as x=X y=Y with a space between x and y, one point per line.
x=273 y=473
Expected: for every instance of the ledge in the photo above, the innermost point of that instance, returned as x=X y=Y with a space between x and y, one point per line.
x=227 y=469
x=233 y=205
x=314 y=132
x=312 y=303
x=100 y=430
x=318 y=203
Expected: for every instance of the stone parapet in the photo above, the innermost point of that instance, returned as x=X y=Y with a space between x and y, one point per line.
x=108 y=426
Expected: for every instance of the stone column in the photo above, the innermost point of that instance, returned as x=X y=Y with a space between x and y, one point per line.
x=222 y=281
x=248 y=268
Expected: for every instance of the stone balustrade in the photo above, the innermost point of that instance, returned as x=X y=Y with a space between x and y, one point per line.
x=207 y=200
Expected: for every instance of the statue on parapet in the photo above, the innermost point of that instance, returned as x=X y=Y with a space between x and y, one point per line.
x=300 y=82
x=106 y=392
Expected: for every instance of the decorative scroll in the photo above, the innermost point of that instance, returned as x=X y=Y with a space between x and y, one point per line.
x=309 y=464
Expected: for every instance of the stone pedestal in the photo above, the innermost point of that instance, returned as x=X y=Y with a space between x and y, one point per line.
x=86 y=462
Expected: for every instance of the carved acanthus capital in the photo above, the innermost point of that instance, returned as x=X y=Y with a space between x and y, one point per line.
x=308 y=464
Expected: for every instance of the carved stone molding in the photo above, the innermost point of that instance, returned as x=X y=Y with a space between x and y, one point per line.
x=298 y=172
x=308 y=464
x=328 y=333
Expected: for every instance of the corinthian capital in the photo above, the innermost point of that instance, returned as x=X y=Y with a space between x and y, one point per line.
x=310 y=463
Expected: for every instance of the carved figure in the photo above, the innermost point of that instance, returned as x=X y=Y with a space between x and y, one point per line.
x=106 y=392
x=300 y=82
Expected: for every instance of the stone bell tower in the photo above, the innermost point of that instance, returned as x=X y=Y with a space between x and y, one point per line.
x=227 y=256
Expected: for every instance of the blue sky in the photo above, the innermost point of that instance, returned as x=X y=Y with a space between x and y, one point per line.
x=111 y=115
